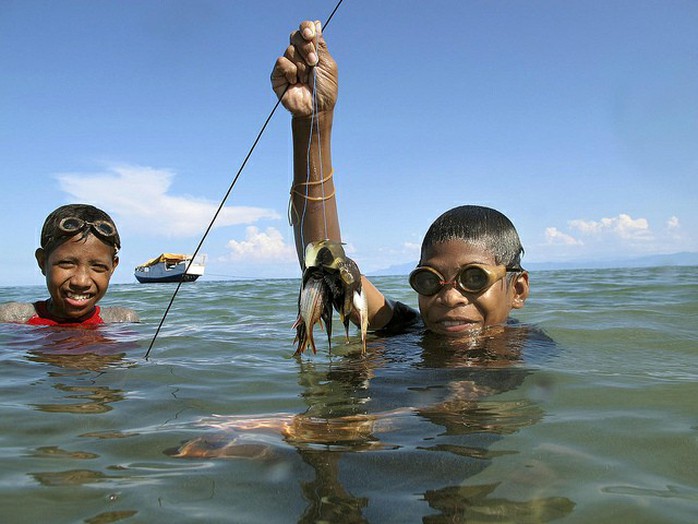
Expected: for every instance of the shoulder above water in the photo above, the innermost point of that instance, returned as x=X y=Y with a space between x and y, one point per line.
x=16 y=312
x=21 y=312
x=118 y=314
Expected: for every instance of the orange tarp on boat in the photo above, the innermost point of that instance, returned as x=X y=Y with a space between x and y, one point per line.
x=167 y=258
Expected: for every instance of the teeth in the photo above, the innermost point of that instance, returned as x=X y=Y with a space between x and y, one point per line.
x=75 y=296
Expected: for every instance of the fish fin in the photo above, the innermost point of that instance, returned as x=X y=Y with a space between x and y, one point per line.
x=297 y=323
x=312 y=341
x=361 y=305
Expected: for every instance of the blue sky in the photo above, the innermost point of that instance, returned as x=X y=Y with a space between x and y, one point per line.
x=577 y=119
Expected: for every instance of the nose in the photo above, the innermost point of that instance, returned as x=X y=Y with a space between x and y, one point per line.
x=451 y=296
x=80 y=278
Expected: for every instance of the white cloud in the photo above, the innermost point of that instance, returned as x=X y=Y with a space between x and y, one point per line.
x=616 y=237
x=261 y=246
x=622 y=226
x=412 y=249
x=555 y=236
x=139 y=196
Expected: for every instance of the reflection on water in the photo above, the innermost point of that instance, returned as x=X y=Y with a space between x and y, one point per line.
x=70 y=478
x=476 y=504
x=362 y=405
x=78 y=352
x=110 y=516
x=87 y=361
x=83 y=477
x=328 y=500
x=77 y=359
x=56 y=452
x=96 y=399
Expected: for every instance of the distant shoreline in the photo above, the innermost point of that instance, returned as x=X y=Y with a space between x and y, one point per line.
x=684 y=259
x=669 y=260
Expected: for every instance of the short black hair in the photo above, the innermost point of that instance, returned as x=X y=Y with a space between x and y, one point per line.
x=53 y=236
x=478 y=225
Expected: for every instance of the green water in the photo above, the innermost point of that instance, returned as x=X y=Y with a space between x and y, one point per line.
x=600 y=425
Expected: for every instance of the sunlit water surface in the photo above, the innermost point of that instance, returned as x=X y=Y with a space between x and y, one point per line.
x=583 y=412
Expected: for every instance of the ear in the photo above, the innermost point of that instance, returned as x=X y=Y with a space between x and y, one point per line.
x=115 y=262
x=40 y=256
x=521 y=289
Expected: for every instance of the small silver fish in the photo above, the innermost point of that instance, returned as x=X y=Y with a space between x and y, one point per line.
x=314 y=306
x=352 y=299
x=330 y=279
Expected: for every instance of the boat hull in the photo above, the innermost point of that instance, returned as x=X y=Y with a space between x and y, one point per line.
x=186 y=277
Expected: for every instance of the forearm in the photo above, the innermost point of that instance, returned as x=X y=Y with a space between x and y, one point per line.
x=380 y=309
x=313 y=200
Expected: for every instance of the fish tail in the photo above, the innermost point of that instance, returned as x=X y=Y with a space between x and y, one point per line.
x=301 y=336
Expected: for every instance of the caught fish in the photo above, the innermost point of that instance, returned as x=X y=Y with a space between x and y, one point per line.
x=351 y=298
x=314 y=306
x=330 y=280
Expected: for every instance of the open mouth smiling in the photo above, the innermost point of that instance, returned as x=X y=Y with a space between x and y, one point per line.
x=78 y=298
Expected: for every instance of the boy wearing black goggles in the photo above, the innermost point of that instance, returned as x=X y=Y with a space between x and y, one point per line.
x=469 y=274
x=78 y=255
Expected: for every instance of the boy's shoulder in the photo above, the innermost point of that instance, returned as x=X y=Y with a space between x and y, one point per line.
x=118 y=314
x=16 y=312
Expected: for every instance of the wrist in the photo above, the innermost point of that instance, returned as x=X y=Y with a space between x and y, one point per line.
x=321 y=118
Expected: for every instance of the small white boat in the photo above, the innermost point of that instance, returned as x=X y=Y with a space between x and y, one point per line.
x=171 y=267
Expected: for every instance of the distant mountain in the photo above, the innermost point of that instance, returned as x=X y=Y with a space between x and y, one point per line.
x=675 y=259
x=399 y=269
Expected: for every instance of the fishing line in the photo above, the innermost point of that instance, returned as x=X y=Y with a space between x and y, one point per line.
x=225 y=197
x=314 y=125
x=319 y=150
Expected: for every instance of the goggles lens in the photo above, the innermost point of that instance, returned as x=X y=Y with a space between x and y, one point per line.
x=425 y=282
x=473 y=278
x=75 y=224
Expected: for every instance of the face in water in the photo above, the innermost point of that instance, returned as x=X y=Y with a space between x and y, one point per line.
x=77 y=275
x=454 y=311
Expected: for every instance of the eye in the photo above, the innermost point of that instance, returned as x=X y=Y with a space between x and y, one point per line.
x=100 y=268
x=474 y=278
x=426 y=282
x=65 y=264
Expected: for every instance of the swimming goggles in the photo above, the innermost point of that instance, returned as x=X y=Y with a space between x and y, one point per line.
x=473 y=278
x=74 y=225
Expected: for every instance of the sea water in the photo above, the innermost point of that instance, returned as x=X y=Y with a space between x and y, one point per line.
x=584 y=411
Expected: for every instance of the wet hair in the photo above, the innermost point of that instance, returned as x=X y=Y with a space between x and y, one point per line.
x=480 y=226
x=53 y=236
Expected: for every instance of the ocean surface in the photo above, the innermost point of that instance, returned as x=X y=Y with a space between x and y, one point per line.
x=584 y=411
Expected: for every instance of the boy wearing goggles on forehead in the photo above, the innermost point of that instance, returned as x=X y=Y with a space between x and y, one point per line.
x=78 y=255
x=469 y=275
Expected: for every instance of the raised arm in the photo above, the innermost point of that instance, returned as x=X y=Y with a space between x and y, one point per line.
x=306 y=81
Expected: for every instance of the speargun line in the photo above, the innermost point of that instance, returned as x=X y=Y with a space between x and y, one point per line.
x=220 y=206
